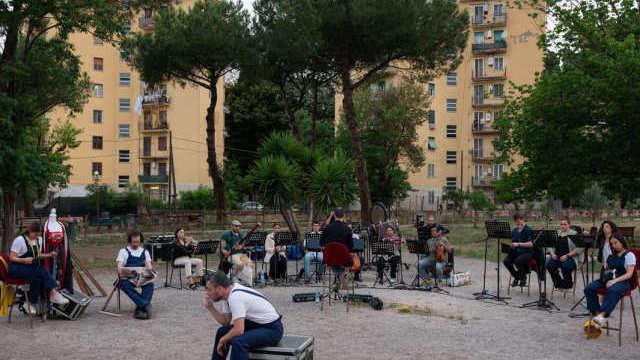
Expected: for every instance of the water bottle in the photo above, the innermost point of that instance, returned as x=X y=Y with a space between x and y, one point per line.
x=317 y=299
x=261 y=279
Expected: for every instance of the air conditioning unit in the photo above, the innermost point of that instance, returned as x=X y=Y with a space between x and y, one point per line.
x=488 y=117
x=490 y=88
x=490 y=61
x=489 y=34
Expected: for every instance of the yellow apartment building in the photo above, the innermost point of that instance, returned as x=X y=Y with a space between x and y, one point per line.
x=133 y=134
x=457 y=138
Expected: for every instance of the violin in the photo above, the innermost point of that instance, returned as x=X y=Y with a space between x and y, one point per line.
x=441 y=252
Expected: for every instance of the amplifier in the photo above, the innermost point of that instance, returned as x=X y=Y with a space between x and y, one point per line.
x=78 y=303
x=304 y=297
x=159 y=247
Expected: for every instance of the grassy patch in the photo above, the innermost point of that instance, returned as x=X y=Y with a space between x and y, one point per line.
x=407 y=309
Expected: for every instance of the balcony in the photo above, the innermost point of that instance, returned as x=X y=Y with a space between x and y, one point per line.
x=145 y=22
x=488 y=74
x=151 y=127
x=499 y=46
x=487 y=101
x=148 y=154
x=481 y=22
x=483 y=182
x=153 y=179
x=479 y=155
x=483 y=129
x=155 y=100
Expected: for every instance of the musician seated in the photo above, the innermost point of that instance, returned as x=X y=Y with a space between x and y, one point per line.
x=183 y=256
x=24 y=263
x=277 y=263
x=393 y=260
x=312 y=255
x=562 y=257
x=616 y=279
x=356 y=239
x=248 y=318
x=135 y=256
x=337 y=231
x=431 y=222
x=521 y=252
x=234 y=252
x=437 y=258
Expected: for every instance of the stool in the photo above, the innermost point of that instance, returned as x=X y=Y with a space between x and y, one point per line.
x=24 y=285
x=532 y=265
x=179 y=267
x=116 y=289
x=290 y=347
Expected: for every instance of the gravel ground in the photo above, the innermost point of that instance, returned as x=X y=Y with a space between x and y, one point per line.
x=438 y=326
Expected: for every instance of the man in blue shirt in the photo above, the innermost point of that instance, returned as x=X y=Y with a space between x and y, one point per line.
x=517 y=261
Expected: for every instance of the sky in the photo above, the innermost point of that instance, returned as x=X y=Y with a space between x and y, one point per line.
x=247 y=4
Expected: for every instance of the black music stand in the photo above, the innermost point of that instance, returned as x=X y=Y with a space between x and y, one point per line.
x=379 y=249
x=205 y=248
x=254 y=240
x=544 y=239
x=312 y=244
x=496 y=229
x=418 y=247
x=286 y=238
x=586 y=242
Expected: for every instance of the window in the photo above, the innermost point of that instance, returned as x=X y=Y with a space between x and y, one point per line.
x=451 y=182
x=498 y=35
x=432 y=119
x=498 y=63
x=148 y=118
x=452 y=78
x=498 y=90
x=478 y=37
x=124 y=156
x=451 y=131
x=98 y=64
x=478 y=14
x=498 y=170
x=123 y=55
x=125 y=79
x=124 y=130
x=477 y=147
x=97 y=142
x=97 y=40
x=123 y=181
x=146 y=146
x=124 y=105
x=478 y=120
x=162 y=143
x=452 y=105
x=431 y=195
x=126 y=27
x=431 y=143
x=97 y=116
x=498 y=9
x=98 y=90
x=162 y=115
x=146 y=169
x=431 y=170
x=478 y=94
x=96 y=167
x=451 y=157
x=162 y=169
x=497 y=115
x=432 y=89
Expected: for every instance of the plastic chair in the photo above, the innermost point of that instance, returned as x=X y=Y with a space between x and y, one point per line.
x=24 y=284
x=627 y=294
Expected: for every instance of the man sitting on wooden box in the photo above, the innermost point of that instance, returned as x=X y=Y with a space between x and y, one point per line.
x=248 y=319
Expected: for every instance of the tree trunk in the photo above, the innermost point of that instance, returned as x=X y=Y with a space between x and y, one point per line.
x=292 y=117
x=8 y=219
x=26 y=204
x=314 y=115
x=356 y=148
x=214 y=168
x=311 y=213
x=290 y=218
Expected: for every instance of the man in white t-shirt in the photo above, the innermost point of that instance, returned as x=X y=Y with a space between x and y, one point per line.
x=134 y=255
x=248 y=319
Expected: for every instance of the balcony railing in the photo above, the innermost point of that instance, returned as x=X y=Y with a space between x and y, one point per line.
x=489 y=73
x=500 y=19
x=153 y=179
x=479 y=154
x=150 y=100
x=150 y=126
x=479 y=101
x=482 y=21
x=159 y=154
x=145 y=22
x=486 y=48
x=486 y=181
x=482 y=128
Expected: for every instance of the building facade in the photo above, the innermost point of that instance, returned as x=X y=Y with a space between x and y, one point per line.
x=135 y=134
x=457 y=137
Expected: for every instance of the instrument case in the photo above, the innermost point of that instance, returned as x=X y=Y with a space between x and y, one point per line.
x=78 y=303
x=291 y=347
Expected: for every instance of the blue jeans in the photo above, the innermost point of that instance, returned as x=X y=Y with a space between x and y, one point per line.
x=140 y=299
x=308 y=257
x=425 y=264
x=38 y=277
x=611 y=298
x=255 y=335
x=567 y=267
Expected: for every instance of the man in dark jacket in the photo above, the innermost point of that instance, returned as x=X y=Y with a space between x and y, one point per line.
x=336 y=230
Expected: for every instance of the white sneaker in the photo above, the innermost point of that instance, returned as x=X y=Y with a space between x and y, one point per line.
x=30 y=309
x=59 y=299
x=600 y=320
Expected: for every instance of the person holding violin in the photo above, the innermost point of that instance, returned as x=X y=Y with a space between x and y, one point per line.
x=437 y=258
x=521 y=252
x=24 y=263
x=390 y=236
x=234 y=253
x=183 y=256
